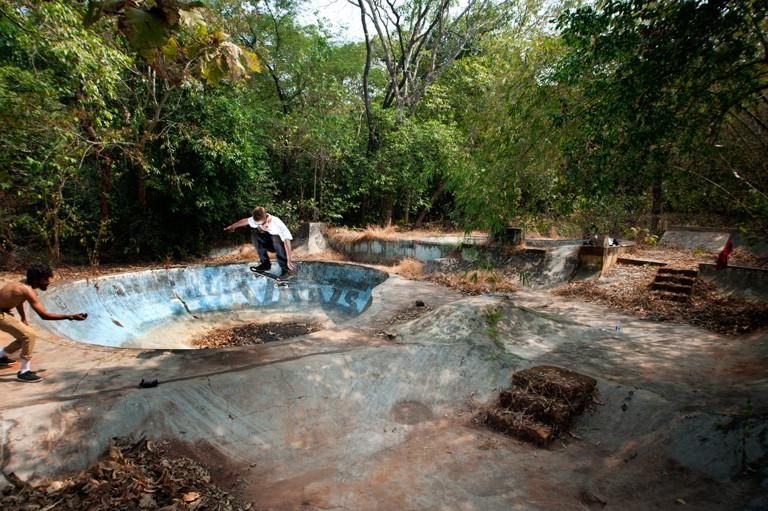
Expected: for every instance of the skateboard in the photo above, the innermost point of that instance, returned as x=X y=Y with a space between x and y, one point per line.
x=279 y=282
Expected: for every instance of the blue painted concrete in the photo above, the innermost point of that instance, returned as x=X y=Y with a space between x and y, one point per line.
x=123 y=307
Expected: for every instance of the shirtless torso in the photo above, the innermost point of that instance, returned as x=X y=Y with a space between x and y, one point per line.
x=15 y=294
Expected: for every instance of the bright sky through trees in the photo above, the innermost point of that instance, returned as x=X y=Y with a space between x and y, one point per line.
x=340 y=15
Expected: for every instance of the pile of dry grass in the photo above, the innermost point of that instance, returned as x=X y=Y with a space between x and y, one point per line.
x=541 y=404
x=131 y=475
x=477 y=281
x=409 y=268
x=372 y=232
x=390 y=232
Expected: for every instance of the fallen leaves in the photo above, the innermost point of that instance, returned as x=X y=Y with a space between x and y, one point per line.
x=131 y=475
x=254 y=333
x=627 y=288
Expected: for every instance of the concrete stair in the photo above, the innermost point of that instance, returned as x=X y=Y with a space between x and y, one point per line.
x=674 y=284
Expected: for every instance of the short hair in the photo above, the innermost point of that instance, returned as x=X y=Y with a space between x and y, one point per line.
x=259 y=213
x=37 y=273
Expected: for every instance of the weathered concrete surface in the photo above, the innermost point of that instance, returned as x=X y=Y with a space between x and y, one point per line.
x=378 y=251
x=695 y=238
x=310 y=239
x=747 y=283
x=350 y=419
x=153 y=309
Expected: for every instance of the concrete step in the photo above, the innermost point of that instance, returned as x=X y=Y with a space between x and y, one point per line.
x=672 y=288
x=634 y=261
x=672 y=297
x=682 y=280
x=678 y=271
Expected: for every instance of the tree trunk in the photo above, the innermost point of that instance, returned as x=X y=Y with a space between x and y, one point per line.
x=656 y=198
x=407 y=208
x=141 y=189
x=389 y=200
x=105 y=165
x=371 y=147
x=427 y=209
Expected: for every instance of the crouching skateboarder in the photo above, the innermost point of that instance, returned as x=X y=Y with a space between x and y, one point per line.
x=269 y=235
x=14 y=295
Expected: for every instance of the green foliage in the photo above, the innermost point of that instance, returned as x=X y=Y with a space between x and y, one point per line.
x=651 y=82
x=492 y=320
x=642 y=235
x=141 y=133
x=413 y=154
x=173 y=33
x=53 y=73
x=505 y=107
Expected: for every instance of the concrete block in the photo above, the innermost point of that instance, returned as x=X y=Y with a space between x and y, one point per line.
x=311 y=237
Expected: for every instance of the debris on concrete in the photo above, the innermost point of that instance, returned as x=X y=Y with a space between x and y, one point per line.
x=541 y=404
x=409 y=313
x=130 y=475
x=255 y=333
x=628 y=288
x=148 y=384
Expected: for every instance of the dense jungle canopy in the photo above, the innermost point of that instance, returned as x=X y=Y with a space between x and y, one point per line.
x=138 y=129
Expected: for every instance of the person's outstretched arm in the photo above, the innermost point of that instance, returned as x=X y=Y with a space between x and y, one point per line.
x=240 y=223
x=37 y=306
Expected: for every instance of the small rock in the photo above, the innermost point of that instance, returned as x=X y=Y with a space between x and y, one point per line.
x=589 y=498
x=54 y=486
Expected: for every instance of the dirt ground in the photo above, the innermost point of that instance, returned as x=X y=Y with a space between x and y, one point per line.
x=627 y=288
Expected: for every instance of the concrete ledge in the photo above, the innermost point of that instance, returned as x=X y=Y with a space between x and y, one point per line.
x=695 y=238
x=635 y=261
x=391 y=251
x=599 y=259
x=748 y=283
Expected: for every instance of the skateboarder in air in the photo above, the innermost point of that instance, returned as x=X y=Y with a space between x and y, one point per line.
x=269 y=234
x=14 y=295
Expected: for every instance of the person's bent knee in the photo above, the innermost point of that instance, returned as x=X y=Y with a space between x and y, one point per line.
x=27 y=347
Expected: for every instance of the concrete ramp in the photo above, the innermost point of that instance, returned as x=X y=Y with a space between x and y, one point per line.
x=559 y=265
x=378 y=412
x=695 y=238
x=161 y=308
x=748 y=283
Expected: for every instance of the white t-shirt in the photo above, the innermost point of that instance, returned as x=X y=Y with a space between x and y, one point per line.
x=274 y=226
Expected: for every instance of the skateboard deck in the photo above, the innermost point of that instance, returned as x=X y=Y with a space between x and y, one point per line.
x=279 y=282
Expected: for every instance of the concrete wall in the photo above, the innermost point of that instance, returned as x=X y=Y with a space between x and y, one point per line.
x=123 y=307
x=310 y=238
x=392 y=251
x=695 y=238
x=748 y=283
x=598 y=260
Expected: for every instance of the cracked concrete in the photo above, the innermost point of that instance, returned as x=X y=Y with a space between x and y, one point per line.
x=345 y=418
